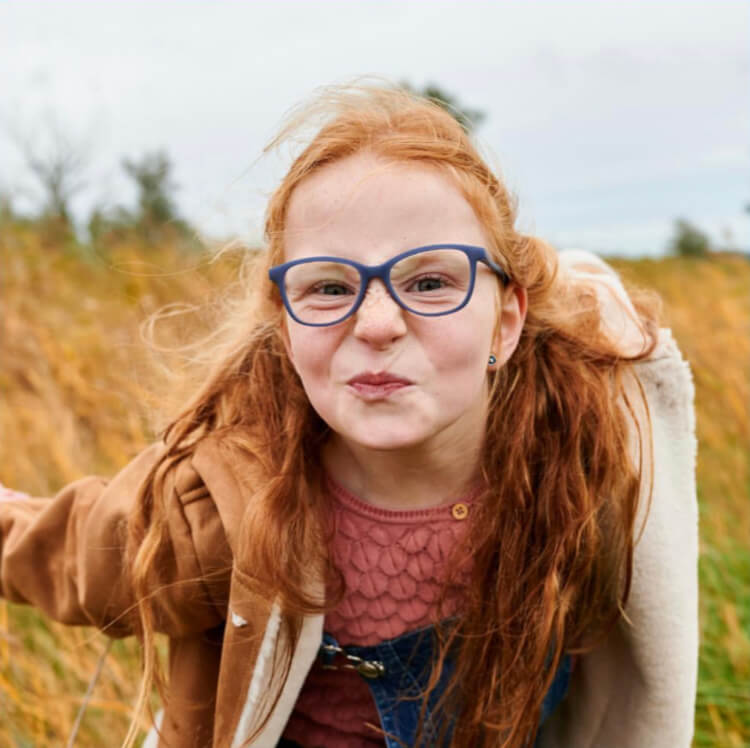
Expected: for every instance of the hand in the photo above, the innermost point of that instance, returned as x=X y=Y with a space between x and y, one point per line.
x=8 y=494
x=619 y=319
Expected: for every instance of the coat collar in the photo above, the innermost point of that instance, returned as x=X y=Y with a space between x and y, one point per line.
x=213 y=462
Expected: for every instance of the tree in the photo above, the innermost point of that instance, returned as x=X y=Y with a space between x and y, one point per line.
x=689 y=240
x=7 y=215
x=469 y=119
x=59 y=164
x=155 y=215
x=60 y=175
x=156 y=205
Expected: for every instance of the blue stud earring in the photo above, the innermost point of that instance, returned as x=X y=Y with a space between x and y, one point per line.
x=493 y=360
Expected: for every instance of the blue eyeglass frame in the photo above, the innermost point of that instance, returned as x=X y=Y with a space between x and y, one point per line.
x=383 y=272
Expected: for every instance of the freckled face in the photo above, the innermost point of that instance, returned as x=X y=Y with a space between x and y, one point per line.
x=368 y=210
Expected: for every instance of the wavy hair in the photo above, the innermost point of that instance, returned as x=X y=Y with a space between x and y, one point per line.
x=552 y=545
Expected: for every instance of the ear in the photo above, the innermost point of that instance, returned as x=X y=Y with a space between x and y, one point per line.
x=512 y=317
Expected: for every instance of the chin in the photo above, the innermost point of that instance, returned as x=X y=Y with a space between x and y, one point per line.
x=386 y=440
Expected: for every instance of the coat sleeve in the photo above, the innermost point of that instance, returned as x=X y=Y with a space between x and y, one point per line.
x=638 y=689
x=65 y=555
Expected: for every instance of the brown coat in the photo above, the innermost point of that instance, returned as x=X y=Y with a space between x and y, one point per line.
x=65 y=556
x=62 y=556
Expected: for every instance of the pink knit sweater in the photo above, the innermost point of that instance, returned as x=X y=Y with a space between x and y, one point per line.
x=393 y=563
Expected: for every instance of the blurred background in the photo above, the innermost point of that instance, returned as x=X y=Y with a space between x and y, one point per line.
x=609 y=120
x=131 y=149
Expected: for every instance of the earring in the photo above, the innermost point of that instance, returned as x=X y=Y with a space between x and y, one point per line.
x=493 y=360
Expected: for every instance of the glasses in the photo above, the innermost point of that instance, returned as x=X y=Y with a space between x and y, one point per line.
x=430 y=281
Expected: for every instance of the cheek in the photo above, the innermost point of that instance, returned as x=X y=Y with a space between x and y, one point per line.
x=461 y=346
x=311 y=352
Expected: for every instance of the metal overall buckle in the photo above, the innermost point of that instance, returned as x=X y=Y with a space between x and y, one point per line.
x=367 y=668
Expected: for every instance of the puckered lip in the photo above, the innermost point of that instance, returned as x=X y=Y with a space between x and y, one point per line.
x=378 y=378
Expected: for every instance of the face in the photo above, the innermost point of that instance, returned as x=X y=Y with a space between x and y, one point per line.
x=385 y=378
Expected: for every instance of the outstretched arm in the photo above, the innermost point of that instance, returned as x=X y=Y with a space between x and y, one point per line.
x=65 y=555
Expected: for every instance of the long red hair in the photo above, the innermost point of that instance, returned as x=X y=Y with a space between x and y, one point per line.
x=552 y=545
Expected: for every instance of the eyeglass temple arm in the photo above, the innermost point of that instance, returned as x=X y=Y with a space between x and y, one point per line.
x=492 y=264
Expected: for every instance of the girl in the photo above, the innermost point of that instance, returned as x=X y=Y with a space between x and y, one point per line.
x=407 y=505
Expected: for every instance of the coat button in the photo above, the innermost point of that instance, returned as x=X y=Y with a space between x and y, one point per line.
x=460 y=511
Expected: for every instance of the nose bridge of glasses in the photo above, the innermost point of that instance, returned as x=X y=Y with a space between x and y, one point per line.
x=377 y=293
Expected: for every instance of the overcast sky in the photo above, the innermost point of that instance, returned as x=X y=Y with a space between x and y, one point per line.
x=608 y=119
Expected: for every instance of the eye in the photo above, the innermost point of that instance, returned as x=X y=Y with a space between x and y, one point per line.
x=427 y=283
x=331 y=289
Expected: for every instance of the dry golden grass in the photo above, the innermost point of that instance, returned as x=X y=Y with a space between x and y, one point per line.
x=79 y=397
x=707 y=305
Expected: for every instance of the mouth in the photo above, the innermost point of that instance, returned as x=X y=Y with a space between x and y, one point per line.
x=377 y=386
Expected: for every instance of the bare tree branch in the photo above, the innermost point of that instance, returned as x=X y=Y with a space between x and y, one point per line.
x=58 y=164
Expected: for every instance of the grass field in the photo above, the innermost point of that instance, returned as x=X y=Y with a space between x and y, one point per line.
x=79 y=393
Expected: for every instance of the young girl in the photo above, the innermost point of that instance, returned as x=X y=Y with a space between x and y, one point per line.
x=408 y=504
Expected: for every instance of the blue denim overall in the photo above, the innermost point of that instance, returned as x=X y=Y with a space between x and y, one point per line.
x=401 y=667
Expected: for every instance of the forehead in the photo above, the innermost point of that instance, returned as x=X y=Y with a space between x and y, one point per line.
x=367 y=208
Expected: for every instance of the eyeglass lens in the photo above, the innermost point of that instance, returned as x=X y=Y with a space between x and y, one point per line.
x=436 y=281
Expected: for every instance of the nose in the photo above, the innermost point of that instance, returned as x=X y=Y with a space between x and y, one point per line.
x=379 y=319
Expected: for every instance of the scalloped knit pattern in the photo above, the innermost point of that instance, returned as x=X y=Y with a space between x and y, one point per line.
x=393 y=564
